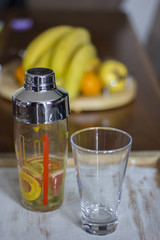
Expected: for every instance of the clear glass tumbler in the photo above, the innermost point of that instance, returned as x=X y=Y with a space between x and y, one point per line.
x=100 y=155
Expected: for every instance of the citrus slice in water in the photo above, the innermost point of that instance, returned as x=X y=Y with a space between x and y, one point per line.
x=33 y=191
x=35 y=168
x=56 y=181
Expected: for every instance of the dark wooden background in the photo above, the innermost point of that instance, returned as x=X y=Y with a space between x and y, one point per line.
x=114 y=38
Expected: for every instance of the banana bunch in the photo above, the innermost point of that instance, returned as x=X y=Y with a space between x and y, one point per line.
x=65 y=49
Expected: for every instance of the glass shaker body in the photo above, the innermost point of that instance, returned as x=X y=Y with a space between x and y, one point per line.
x=41 y=146
x=41 y=151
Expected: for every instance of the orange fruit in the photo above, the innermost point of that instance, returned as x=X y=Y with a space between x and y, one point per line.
x=19 y=75
x=90 y=84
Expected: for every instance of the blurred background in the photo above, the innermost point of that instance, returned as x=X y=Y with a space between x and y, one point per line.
x=144 y=15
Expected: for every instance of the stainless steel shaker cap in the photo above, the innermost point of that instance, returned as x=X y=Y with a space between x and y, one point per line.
x=40 y=100
x=39 y=79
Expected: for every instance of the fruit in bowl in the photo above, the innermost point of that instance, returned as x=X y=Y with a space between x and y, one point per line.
x=113 y=74
x=69 y=51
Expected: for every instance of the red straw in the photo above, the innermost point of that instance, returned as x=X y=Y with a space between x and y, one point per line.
x=45 y=167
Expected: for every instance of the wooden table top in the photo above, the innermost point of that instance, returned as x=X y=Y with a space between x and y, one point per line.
x=114 y=38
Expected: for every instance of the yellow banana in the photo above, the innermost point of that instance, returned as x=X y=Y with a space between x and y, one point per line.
x=42 y=43
x=44 y=61
x=66 y=48
x=80 y=62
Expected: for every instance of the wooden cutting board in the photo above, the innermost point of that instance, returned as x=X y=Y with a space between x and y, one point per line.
x=108 y=101
x=8 y=85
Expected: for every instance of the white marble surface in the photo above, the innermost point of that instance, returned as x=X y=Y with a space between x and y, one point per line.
x=139 y=213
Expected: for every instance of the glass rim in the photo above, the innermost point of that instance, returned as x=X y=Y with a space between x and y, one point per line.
x=101 y=151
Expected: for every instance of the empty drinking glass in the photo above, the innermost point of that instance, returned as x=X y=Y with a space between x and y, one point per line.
x=100 y=156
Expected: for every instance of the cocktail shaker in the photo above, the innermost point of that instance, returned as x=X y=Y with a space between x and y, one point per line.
x=41 y=111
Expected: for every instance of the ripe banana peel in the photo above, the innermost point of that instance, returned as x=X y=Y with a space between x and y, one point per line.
x=79 y=63
x=46 y=40
x=44 y=61
x=70 y=53
x=67 y=47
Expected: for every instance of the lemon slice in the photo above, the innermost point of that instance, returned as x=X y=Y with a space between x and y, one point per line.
x=35 y=189
x=35 y=168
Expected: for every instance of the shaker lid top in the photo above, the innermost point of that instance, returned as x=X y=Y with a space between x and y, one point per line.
x=40 y=100
x=39 y=79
